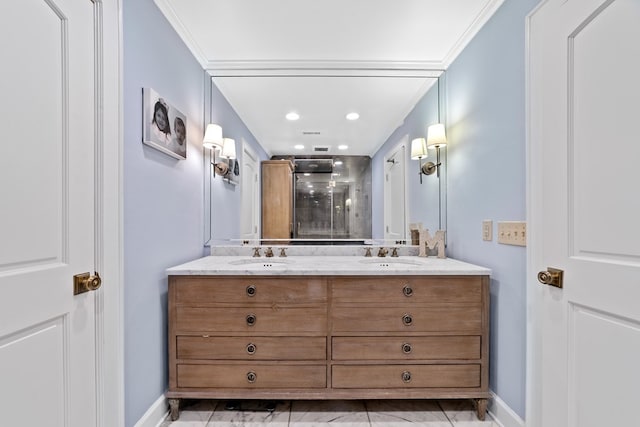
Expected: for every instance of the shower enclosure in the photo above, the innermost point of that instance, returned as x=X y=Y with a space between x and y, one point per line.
x=332 y=200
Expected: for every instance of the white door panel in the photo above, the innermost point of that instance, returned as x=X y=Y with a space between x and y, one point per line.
x=394 y=194
x=250 y=204
x=583 y=90
x=47 y=343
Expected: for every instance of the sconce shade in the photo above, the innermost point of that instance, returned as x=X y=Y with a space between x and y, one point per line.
x=213 y=137
x=436 y=136
x=418 y=149
x=229 y=149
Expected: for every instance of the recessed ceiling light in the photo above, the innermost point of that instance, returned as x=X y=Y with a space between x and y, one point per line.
x=292 y=116
x=307 y=174
x=299 y=147
x=342 y=147
x=353 y=116
x=337 y=162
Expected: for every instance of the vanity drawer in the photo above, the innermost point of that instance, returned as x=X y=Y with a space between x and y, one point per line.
x=248 y=290
x=458 y=319
x=251 y=319
x=252 y=376
x=405 y=376
x=252 y=348
x=406 y=348
x=458 y=289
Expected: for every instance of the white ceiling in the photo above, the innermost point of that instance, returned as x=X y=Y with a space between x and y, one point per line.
x=323 y=59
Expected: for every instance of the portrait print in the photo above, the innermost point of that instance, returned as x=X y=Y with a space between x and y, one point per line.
x=164 y=126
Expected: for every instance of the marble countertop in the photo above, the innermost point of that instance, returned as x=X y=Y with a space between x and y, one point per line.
x=326 y=265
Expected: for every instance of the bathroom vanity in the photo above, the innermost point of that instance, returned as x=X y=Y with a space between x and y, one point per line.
x=322 y=327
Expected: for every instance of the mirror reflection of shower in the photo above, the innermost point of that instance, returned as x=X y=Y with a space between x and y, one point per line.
x=332 y=199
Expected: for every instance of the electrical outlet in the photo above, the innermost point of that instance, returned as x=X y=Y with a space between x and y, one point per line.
x=487 y=230
x=512 y=233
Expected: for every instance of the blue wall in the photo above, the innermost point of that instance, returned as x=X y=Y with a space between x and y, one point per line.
x=164 y=220
x=484 y=98
x=223 y=198
x=485 y=89
x=163 y=207
x=422 y=199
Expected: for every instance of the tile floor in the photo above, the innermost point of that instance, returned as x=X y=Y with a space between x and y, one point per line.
x=369 y=413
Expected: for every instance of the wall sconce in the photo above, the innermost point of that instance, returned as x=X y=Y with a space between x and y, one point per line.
x=419 y=152
x=228 y=152
x=214 y=141
x=213 y=137
x=436 y=138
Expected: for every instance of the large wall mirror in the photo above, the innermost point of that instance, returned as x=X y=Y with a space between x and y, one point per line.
x=336 y=199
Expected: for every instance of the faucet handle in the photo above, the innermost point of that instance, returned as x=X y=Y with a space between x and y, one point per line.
x=282 y=252
x=394 y=252
x=382 y=252
x=256 y=252
x=368 y=252
x=268 y=252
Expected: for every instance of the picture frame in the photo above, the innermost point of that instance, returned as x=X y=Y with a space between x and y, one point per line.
x=164 y=126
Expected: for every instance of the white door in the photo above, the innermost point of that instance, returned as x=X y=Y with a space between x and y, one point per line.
x=584 y=91
x=250 y=204
x=394 y=199
x=47 y=345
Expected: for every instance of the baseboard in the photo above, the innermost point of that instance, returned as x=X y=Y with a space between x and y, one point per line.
x=155 y=415
x=503 y=414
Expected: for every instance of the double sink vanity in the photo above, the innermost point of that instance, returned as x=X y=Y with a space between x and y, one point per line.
x=332 y=326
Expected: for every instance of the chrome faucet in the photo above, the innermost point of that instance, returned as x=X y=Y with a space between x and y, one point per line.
x=382 y=252
x=256 y=252
x=268 y=252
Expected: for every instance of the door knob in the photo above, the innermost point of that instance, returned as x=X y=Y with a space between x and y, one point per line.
x=86 y=282
x=552 y=277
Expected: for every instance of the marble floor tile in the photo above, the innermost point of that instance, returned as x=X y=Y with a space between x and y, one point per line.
x=247 y=418
x=328 y=413
x=462 y=413
x=194 y=413
x=401 y=413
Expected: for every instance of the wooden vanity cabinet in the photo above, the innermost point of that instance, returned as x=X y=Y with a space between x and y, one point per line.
x=328 y=337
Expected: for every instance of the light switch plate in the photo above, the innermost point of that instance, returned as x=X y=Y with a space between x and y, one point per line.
x=512 y=233
x=487 y=230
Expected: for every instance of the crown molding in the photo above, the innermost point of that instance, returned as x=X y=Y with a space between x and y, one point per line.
x=330 y=68
x=421 y=69
x=187 y=38
x=485 y=14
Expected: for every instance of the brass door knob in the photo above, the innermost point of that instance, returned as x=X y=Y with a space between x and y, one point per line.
x=251 y=290
x=406 y=376
x=86 y=282
x=407 y=291
x=406 y=348
x=551 y=277
x=251 y=348
x=252 y=377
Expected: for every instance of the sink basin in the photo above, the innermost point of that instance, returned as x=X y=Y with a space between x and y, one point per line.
x=266 y=262
x=389 y=262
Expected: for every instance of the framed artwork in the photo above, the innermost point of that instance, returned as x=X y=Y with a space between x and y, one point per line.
x=164 y=126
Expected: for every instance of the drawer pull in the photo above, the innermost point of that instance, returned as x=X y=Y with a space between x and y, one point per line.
x=251 y=319
x=407 y=291
x=407 y=319
x=251 y=290
x=251 y=348
x=251 y=377
x=406 y=348
x=406 y=376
